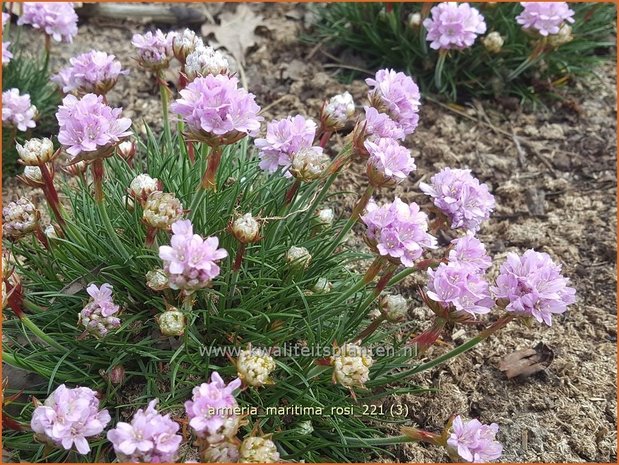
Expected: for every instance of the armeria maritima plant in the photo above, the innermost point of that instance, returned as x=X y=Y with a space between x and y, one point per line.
x=194 y=297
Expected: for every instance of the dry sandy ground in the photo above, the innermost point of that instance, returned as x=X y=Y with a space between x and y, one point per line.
x=565 y=207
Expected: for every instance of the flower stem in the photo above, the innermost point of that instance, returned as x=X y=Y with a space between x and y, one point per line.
x=438 y=70
x=370 y=274
x=534 y=57
x=163 y=92
x=499 y=324
x=214 y=159
x=425 y=340
x=367 y=332
x=292 y=192
x=239 y=258
x=51 y=195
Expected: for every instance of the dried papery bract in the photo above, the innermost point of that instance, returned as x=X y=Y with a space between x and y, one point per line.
x=258 y=450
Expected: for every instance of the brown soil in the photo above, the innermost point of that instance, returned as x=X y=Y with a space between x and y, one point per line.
x=556 y=193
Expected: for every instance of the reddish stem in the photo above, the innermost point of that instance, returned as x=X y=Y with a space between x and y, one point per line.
x=425 y=340
x=15 y=298
x=292 y=192
x=325 y=138
x=97 y=175
x=49 y=190
x=214 y=159
x=151 y=235
x=362 y=203
x=40 y=235
x=239 y=258
x=191 y=152
x=373 y=270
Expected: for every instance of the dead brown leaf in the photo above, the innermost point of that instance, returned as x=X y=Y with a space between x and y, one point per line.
x=236 y=31
x=526 y=362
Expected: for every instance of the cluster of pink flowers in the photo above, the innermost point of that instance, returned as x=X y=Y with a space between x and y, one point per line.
x=461 y=287
x=189 y=260
x=6 y=53
x=68 y=417
x=461 y=197
x=17 y=110
x=211 y=410
x=470 y=251
x=398 y=230
x=454 y=26
x=475 y=442
x=89 y=128
x=379 y=125
x=98 y=315
x=389 y=162
x=284 y=138
x=215 y=108
x=533 y=285
x=149 y=438
x=154 y=49
x=57 y=20
x=92 y=72
x=545 y=18
x=397 y=95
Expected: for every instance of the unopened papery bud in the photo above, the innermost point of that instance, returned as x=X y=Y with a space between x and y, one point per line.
x=308 y=164
x=128 y=202
x=493 y=42
x=204 y=61
x=414 y=20
x=126 y=150
x=171 y=322
x=157 y=280
x=338 y=111
x=394 y=307
x=258 y=450
x=325 y=216
x=322 y=286
x=185 y=43
x=50 y=232
x=351 y=365
x=298 y=257
x=20 y=218
x=223 y=452
x=246 y=229
x=564 y=36
x=162 y=210
x=35 y=152
x=305 y=427
x=254 y=367
x=142 y=186
x=32 y=176
x=76 y=169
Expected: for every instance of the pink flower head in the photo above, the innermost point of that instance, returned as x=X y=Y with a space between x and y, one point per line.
x=212 y=407
x=57 y=19
x=5 y=18
x=215 y=108
x=6 y=53
x=461 y=287
x=284 y=138
x=381 y=125
x=92 y=72
x=453 y=26
x=545 y=17
x=89 y=128
x=68 y=417
x=468 y=250
x=461 y=197
x=154 y=50
x=189 y=260
x=398 y=230
x=389 y=162
x=149 y=438
x=397 y=95
x=17 y=111
x=533 y=285
x=474 y=441
x=98 y=316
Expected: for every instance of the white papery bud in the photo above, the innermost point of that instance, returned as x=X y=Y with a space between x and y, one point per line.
x=184 y=43
x=298 y=257
x=50 y=232
x=32 y=176
x=351 y=365
x=171 y=322
x=20 y=218
x=157 y=280
x=394 y=307
x=322 y=286
x=246 y=229
x=126 y=149
x=562 y=37
x=255 y=366
x=309 y=163
x=35 y=152
x=339 y=110
x=142 y=186
x=493 y=42
x=204 y=61
x=414 y=20
x=223 y=452
x=258 y=450
x=162 y=210
x=325 y=216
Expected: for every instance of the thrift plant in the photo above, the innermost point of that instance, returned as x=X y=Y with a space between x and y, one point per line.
x=194 y=296
x=525 y=50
